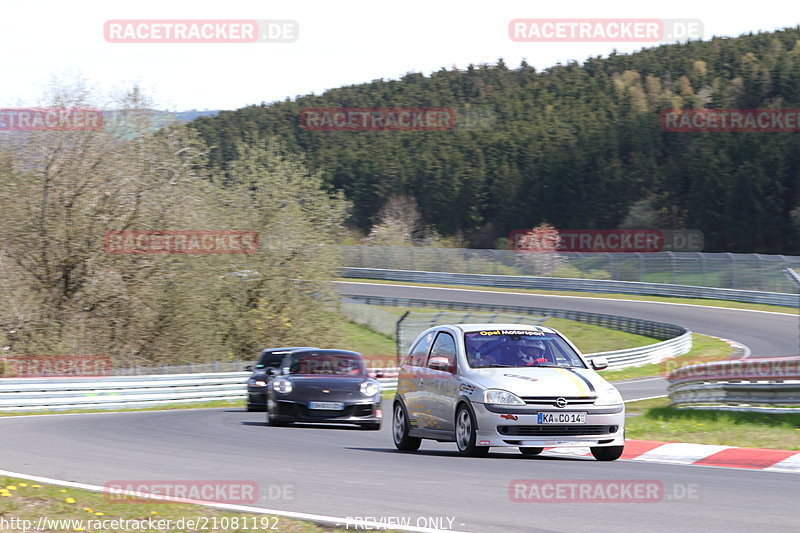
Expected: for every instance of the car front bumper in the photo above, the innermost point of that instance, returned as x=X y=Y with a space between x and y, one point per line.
x=520 y=427
x=353 y=413
x=257 y=397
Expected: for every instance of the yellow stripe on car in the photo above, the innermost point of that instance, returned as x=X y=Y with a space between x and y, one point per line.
x=581 y=387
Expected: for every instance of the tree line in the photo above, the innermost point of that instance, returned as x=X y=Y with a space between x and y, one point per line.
x=578 y=145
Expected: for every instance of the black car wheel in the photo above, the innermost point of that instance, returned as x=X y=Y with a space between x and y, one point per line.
x=400 y=431
x=607 y=453
x=273 y=422
x=526 y=450
x=466 y=434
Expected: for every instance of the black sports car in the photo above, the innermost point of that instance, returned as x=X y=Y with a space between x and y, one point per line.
x=258 y=382
x=330 y=386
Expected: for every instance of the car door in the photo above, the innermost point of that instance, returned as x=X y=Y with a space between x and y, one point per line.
x=409 y=386
x=440 y=384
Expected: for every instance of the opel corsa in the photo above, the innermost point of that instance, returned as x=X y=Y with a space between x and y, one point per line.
x=485 y=385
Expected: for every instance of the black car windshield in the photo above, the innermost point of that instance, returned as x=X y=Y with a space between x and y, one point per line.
x=327 y=365
x=271 y=359
x=519 y=348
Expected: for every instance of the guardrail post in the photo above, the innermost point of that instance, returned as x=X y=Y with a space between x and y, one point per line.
x=397 y=335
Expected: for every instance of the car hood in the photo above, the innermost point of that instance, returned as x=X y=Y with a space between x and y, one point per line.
x=540 y=381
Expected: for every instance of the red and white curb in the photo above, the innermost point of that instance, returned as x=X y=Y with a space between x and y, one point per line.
x=701 y=455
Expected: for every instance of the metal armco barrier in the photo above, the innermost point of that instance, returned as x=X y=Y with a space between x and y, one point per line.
x=575 y=284
x=677 y=340
x=37 y=394
x=764 y=385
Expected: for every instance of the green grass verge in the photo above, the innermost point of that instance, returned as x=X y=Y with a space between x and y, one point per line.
x=646 y=298
x=656 y=420
x=27 y=500
x=704 y=349
x=587 y=337
x=374 y=346
x=592 y=339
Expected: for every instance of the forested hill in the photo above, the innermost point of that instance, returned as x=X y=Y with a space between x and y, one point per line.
x=577 y=145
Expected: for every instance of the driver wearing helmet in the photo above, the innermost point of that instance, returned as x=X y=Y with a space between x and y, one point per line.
x=532 y=352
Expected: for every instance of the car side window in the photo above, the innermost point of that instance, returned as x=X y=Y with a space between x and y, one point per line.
x=419 y=353
x=443 y=353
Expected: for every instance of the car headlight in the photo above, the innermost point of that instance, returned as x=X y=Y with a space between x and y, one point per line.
x=609 y=397
x=501 y=397
x=283 y=386
x=257 y=382
x=369 y=388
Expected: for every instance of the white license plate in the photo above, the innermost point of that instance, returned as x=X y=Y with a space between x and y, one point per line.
x=562 y=418
x=327 y=406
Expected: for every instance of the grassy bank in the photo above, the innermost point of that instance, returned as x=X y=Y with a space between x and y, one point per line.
x=656 y=420
x=69 y=509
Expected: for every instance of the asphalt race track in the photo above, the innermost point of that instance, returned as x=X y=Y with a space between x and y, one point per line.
x=766 y=334
x=356 y=473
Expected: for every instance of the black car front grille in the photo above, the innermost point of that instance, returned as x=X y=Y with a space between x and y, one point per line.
x=554 y=430
x=551 y=400
x=348 y=411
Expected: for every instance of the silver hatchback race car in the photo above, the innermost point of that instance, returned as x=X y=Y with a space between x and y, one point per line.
x=484 y=385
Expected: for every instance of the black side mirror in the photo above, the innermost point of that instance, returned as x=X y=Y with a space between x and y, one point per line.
x=378 y=374
x=249 y=368
x=271 y=371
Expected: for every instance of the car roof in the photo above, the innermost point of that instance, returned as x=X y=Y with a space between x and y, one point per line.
x=469 y=328
x=286 y=349
x=321 y=351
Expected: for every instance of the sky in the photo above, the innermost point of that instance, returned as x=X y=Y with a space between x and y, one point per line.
x=341 y=42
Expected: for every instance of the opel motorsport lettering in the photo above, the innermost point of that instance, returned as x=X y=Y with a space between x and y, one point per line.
x=484 y=385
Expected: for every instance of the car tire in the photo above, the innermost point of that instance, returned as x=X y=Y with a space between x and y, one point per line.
x=527 y=450
x=275 y=423
x=400 y=430
x=371 y=427
x=467 y=434
x=607 y=453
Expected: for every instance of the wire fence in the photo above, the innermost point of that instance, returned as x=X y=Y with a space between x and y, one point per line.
x=758 y=272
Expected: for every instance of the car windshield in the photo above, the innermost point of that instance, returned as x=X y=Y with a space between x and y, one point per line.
x=519 y=348
x=271 y=359
x=327 y=364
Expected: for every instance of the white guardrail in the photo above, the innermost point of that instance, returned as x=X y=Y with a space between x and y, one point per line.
x=37 y=394
x=770 y=385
